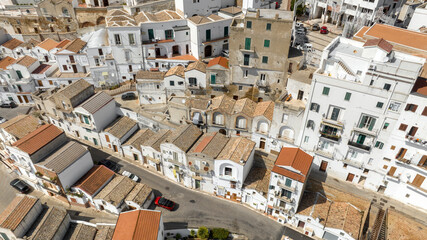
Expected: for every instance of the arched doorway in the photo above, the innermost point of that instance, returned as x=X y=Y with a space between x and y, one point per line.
x=100 y=20
x=208 y=51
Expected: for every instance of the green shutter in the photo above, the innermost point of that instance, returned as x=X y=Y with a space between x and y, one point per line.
x=246 y=58
x=347 y=96
x=208 y=35
x=288 y=182
x=361 y=139
x=213 y=78
x=363 y=121
x=267 y=43
x=325 y=91
x=371 y=126
x=247 y=44
x=264 y=59
x=248 y=24
x=150 y=34
x=225 y=31
x=19 y=74
x=268 y=28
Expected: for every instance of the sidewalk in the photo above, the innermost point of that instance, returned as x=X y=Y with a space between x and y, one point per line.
x=360 y=192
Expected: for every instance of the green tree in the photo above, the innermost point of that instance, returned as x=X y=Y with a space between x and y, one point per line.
x=220 y=233
x=300 y=8
x=203 y=232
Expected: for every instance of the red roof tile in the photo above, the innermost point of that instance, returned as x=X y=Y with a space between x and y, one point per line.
x=420 y=86
x=38 y=138
x=6 y=62
x=206 y=140
x=12 y=43
x=222 y=61
x=381 y=43
x=62 y=43
x=94 y=179
x=41 y=69
x=138 y=225
x=17 y=210
x=48 y=44
x=293 y=163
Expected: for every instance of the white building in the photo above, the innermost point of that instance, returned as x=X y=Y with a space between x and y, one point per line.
x=116 y=134
x=20 y=76
x=150 y=149
x=150 y=87
x=418 y=20
x=191 y=8
x=373 y=83
x=195 y=77
x=287 y=182
x=46 y=50
x=174 y=81
x=71 y=58
x=232 y=166
x=258 y=4
x=132 y=147
x=112 y=197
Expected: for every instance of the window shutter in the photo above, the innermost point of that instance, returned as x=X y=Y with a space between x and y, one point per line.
x=403 y=127
x=413 y=131
x=422 y=161
x=414 y=107
x=408 y=106
x=362 y=122
x=418 y=180
x=371 y=126
x=392 y=171
x=424 y=113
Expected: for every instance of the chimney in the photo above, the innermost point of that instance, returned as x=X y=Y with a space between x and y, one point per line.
x=257 y=13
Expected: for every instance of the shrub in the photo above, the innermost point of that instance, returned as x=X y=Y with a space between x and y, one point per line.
x=203 y=232
x=178 y=236
x=192 y=233
x=220 y=233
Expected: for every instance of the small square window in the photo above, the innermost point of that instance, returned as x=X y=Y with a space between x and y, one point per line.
x=249 y=24
x=172 y=83
x=264 y=59
x=386 y=125
x=387 y=86
x=268 y=27
x=325 y=91
x=347 y=96
x=380 y=105
x=306 y=139
x=240 y=88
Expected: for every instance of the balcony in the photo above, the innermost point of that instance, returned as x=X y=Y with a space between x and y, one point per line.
x=282 y=185
x=284 y=198
x=194 y=86
x=324 y=153
x=175 y=162
x=56 y=191
x=330 y=136
x=250 y=49
x=157 y=161
x=332 y=123
x=353 y=163
x=360 y=146
x=372 y=132
x=416 y=140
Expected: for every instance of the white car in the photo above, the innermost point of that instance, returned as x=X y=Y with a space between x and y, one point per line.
x=130 y=175
x=2 y=120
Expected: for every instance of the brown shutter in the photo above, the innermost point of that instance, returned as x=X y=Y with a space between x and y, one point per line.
x=403 y=127
x=418 y=180
x=107 y=138
x=424 y=113
x=422 y=161
x=408 y=106
x=414 y=108
x=392 y=171
x=401 y=153
x=413 y=131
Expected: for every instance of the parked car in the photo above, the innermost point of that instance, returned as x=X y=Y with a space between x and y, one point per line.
x=324 y=30
x=2 y=120
x=110 y=164
x=9 y=105
x=20 y=185
x=130 y=175
x=128 y=96
x=315 y=27
x=164 y=203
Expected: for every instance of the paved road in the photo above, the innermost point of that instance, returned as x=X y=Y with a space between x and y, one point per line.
x=196 y=208
x=7 y=193
x=9 y=113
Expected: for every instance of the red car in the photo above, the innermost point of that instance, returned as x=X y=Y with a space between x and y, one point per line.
x=324 y=30
x=164 y=203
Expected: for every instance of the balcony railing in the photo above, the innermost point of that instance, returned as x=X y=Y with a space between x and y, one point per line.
x=324 y=153
x=334 y=123
x=282 y=185
x=373 y=132
x=360 y=146
x=330 y=136
x=153 y=159
x=284 y=198
x=416 y=140
x=353 y=163
x=250 y=49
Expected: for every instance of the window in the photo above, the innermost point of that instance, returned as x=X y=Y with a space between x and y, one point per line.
x=411 y=107
x=264 y=59
x=379 y=145
x=117 y=39
x=268 y=27
x=247 y=44
x=335 y=113
x=386 y=125
x=310 y=124
x=172 y=83
x=403 y=127
x=245 y=73
x=213 y=78
x=286 y=193
x=347 y=96
x=401 y=153
x=413 y=131
x=131 y=39
x=168 y=34
x=249 y=24
x=314 y=107
x=180 y=83
x=367 y=122
x=262 y=77
x=325 y=91
x=387 y=86
x=285 y=117
x=226 y=31
x=127 y=55
x=394 y=106
x=192 y=81
x=266 y=43
x=246 y=58
x=380 y=105
x=424 y=113
x=100 y=52
x=208 y=35
x=175 y=156
x=288 y=182
x=228 y=171
x=150 y=34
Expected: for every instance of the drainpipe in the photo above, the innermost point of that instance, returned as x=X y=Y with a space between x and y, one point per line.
x=308 y=110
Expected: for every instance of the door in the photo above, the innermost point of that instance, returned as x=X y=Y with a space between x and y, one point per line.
x=25 y=98
x=246 y=58
x=301 y=224
x=95 y=141
x=144 y=160
x=361 y=139
x=197 y=182
x=323 y=166
x=208 y=51
x=20 y=99
x=77 y=134
x=74 y=68
x=157 y=52
x=247 y=44
x=350 y=177
x=135 y=157
x=19 y=74
x=46 y=58
x=115 y=148
x=262 y=144
x=300 y=94
x=150 y=34
x=158 y=167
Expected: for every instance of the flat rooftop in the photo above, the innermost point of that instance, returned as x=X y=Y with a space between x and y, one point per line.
x=271 y=14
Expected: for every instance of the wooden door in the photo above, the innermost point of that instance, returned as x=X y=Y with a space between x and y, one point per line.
x=115 y=148
x=158 y=167
x=323 y=166
x=46 y=58
x=350 y=177
x=77 y=134
x=262 y=144
x=74 y=68
x=25 y=99
x=20 y=99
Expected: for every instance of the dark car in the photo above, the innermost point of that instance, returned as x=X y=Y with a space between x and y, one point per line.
x=324 y=30
x=9 y=105
x=128 y=96
x=110 y=164
x=315 y=27
x=164 y=203
x=20 y=185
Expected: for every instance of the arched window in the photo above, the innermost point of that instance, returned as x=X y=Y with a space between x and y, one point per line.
x=65 y=12
x=310 y=124
x=241 y=122
x=218 y=118
x=286 y=132
x=262 y=127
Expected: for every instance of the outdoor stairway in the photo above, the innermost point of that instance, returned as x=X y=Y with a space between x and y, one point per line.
x=380 y=226
x=346 y=69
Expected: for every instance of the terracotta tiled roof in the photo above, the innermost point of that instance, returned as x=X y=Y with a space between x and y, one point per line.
x=344 y=216
x=184 y=137
x=199 y=65
x=361 y=32
x=177 y=70
x=316 y=205
x=26 y=61
x=116 y=190
x=238 y=150
x=6 y=62
x=37 y=139
x=184 y=57
x=223 y=103
x=420 y=86
x=96 y=102
x=158 y=138
x=74 y=46
x=138 y=225
x=16 y=211
x=210 y=144
x=64 y=157
x=381 y=43
x=232 y=10
x=245 y=106
x=120 y=127
x=41 y=69
x=94 y=179
x=48 y=44
x=20 y=125
x=30 y=43
x=62 y=43
x=139 y=194
x=139 y=138
x=12 y=43
x=148 y=75
x=258 y=179
x=293 y=163
x=265 y=109
x=222 y=61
